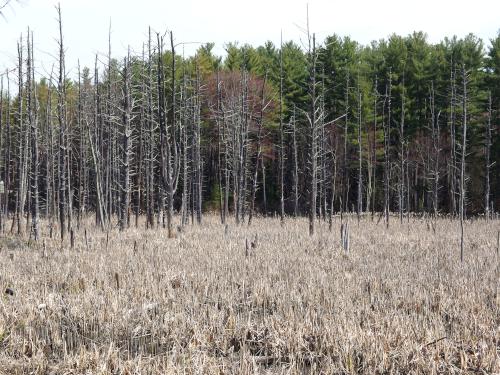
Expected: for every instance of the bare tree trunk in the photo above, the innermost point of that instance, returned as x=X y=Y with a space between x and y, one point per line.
x=435 y=141
x=168 y=148
x=281 y=149
x=487 y=161
x=140 y=158
x=7 y=162
x=462 y=163
x=374 y=156
x=97 y=160
x=259 y=151
x=150 y=161
x=172 y=154
x=197 y=149
x=81 y=156
x=387 y=131
x=402 y=156
x=108 y=143
x=224 y=138
x=241 y=168
x=51 y=158
x=164 y=149
x=183 y=125
x=20 y=172
x=360 y=159
x=127 y=133
x=295 y=166
x=333 y=182
x=453 y=162
x=33 y=122
x=219 y=141
x=313 y=122
x=61 y=114
x=345 y=171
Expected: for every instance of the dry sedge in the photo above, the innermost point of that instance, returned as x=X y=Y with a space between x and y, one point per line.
x=138 y=302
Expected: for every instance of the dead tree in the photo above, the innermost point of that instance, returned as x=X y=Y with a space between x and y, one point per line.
x=435 y=133
x=374 y=147
x=51 y=162
x=197 y=163
x=18 y=128
x=185 y=149
x=453 y=148
x=151 y=139
x=32 y=111
x=387 y=132
x=401 y=187
x=281 y=148
x=314 y=117
x=333 y=189
x=107 y=143
x=6 y=157
x=140 y=147
x=126 y=143
x=1 y=138
x=293 y=123
x=220 y=141
x=79 y=113
x=101 y=212
x=168 y=148
x=258 y=156
x=488 y=164
x=240 y=151
x=360 y=159
x=61 y=116
x=465 y=79
x=322 y=154
x=345 y=166
x=23 y=139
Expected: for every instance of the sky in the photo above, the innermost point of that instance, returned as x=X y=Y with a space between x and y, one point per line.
x=86 y=23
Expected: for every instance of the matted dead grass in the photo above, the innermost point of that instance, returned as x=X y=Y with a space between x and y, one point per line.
x=136 y=302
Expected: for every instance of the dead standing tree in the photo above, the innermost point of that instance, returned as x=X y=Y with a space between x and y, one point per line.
x=61 y=116
x=126 y=143
x=374 y=146
x=314 y=119
x=387 y=140
x=32 y=109
x=196 y=148
x=258 y=156
x=402 y=161
x=360 y=158
x=463 y=152
x=101 y=211
x=452 y=168
x=7 y=158
x=22 y=143
x=240 y=149
x=488 y=164
x=281 y=148
x=435 y=133
x=168 y=148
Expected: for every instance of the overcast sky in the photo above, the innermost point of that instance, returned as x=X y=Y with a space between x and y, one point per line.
x=86 y=23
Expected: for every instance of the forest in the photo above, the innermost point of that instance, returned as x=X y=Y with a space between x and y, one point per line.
x=400 y=125
x=322 y=207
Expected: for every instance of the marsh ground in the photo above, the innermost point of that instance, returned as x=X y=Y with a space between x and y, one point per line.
x=137 y=302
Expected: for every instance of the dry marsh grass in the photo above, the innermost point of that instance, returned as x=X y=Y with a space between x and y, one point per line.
x=136 y=302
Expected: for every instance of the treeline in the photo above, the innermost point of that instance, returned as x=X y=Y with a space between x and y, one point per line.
x=400 y=125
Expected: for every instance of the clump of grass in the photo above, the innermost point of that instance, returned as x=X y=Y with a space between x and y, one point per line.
x=400 y=301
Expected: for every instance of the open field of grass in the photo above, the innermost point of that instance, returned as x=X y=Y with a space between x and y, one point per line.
x=136 y=302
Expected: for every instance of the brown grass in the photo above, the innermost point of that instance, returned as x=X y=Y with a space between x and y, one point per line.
x=399 y=302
